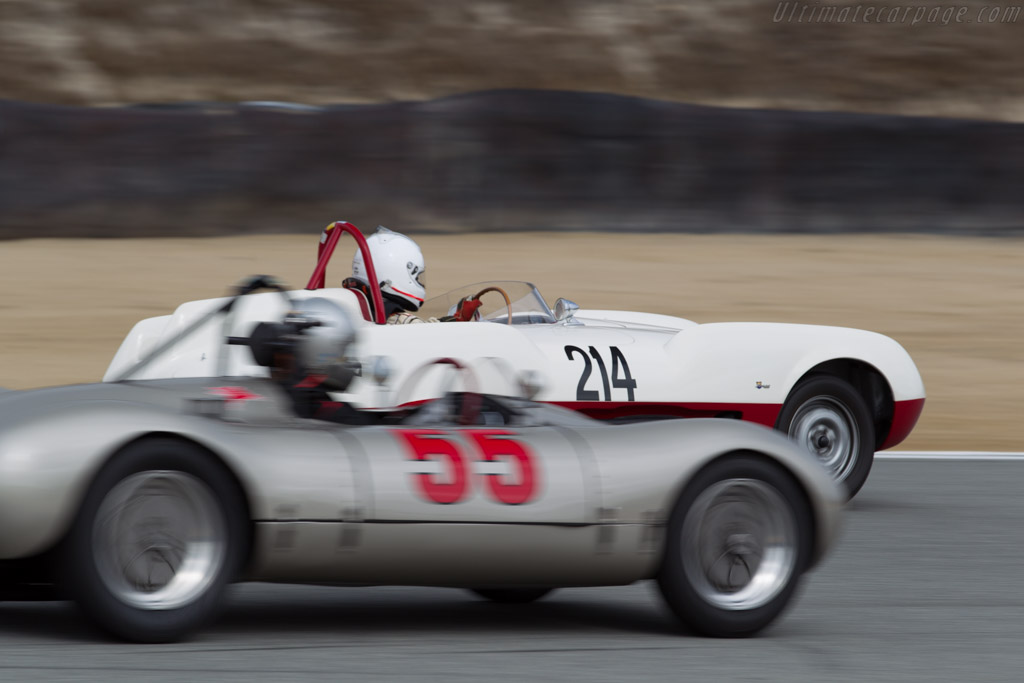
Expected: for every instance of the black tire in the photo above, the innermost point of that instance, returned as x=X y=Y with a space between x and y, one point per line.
x=706 y=548
x=166 y=503
x=512 y=596
x=827 y=416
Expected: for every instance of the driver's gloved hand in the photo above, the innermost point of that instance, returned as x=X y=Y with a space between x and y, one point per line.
x=466 y=308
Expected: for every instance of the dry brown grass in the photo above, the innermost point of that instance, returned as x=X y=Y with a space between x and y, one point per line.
x=729 y=52
x=955 y=304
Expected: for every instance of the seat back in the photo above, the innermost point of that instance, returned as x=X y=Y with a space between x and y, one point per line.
x=364 y=303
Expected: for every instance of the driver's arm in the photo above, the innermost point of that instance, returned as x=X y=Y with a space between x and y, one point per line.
x=405 y=318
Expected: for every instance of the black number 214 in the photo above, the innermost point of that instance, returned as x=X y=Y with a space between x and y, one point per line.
x=626 y=381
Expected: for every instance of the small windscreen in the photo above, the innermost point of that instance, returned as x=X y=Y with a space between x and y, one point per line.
x=524 y=302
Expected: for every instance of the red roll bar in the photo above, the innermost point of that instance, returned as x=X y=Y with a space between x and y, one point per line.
x=328 y=240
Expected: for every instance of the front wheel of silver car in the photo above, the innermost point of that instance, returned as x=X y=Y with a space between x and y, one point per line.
x=159 y=536
x=739 y=539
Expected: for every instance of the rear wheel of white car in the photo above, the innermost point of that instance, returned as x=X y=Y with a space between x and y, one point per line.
x=829 y=418
x=739 y=539
x=516 y=596
x=159 y=536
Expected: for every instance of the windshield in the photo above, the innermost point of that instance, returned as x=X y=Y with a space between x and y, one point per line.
x=528 y=307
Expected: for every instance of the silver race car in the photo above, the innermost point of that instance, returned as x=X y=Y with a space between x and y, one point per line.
x=142 y=499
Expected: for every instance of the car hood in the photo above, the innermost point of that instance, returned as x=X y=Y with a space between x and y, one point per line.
x=173 y=395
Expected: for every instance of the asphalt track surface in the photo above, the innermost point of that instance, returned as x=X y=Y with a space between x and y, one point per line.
x=925 y=585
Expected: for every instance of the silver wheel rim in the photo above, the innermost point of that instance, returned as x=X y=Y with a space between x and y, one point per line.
x=739 y=544
x=159 y=540
x=825 y=427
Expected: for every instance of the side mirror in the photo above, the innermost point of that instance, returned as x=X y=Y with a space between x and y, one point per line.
x=565 y=309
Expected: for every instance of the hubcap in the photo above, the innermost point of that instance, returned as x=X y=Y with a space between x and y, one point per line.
x=825 y=427
x=739 y=544
x=159 y=540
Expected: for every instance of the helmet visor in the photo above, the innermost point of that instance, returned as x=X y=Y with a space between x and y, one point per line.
x=417 y=274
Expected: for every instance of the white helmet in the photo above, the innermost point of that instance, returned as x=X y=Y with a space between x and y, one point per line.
x=323 y=344
x=398 y=263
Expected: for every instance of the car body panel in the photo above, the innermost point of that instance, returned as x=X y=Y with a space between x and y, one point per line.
x=587 y=362
x=351 y=504
x=561 y=495
x=456 y=554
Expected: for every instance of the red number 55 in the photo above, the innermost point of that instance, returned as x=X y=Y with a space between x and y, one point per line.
x=494 y=445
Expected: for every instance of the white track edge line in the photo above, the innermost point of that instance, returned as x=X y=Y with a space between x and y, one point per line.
x=992 y=456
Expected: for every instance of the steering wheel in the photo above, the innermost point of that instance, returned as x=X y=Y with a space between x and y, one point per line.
x=504 y=294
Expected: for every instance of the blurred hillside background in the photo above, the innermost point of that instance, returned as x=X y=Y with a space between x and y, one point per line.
x=744 y=53
x=509 y=115
x=132 y=118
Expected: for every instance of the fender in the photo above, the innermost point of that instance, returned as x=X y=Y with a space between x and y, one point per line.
x=36 y=512
x=762 y=362
x=627 y=487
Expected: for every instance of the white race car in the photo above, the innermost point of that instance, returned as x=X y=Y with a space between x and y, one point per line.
x=842 y=393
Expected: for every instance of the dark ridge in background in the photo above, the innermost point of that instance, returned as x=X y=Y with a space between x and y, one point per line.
x=501 y=160
x=735 y=53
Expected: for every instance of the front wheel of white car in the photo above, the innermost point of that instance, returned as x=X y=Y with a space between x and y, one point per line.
x=739 y=538
x=829 y=418
x=159 y=536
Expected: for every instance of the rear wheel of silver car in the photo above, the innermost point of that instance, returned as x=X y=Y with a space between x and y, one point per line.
x=829 y=418
x=512 y=596
x=739 y=539
x=159 y=536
